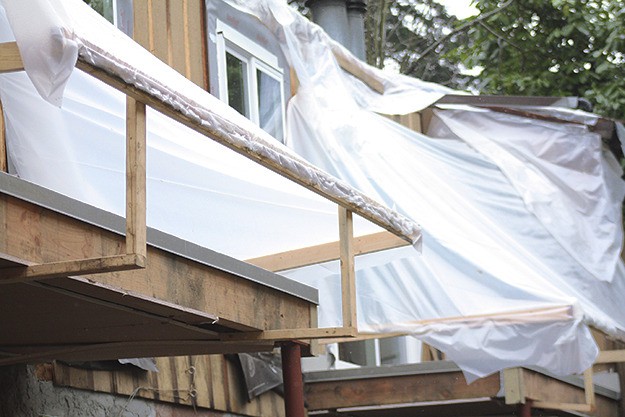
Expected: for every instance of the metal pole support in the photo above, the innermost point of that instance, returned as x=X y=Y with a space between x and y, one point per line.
x=293 y=380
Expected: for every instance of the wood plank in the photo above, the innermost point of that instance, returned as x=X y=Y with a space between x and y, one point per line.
x=136 y=226
x=292 y=334
x=223 y=137
x=327 y=252
x=401 y=389
x=167 y=277
x=611 y=356
x=178 y=35
x=88 y=266
x=513 y=385
x=551 y=393
x=10 y=58
x=348 y=274
x=202 y=380
x=160 y=47
x=4 y=165
x=218 y=387
x=141 y=25
x=351 y=65
x=196 y=43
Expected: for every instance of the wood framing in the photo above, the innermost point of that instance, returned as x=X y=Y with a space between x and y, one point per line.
x=4 y=162
x=187 y=284
x=327 y=252
x=10 y=58
x=611 y=356
x=222 y=138
x=173 y=30
x=348 y=274
x=135 y=203
x=393 y=387
x=136 y=237
x=547 y=392
x=358 y=70
x=348 y=301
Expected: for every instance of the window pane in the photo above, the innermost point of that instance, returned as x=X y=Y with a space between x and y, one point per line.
x=236 y=72
x=104 y=7
x=269 y=105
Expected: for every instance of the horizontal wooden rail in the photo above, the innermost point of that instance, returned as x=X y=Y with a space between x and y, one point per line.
x=10 y=58
x=326 y=252
x=292 y=334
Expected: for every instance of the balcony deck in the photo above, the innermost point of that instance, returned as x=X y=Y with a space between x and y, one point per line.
x=185 y=299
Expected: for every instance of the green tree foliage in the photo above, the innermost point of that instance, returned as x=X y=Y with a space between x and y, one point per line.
x=550 y=47
x=397 y=33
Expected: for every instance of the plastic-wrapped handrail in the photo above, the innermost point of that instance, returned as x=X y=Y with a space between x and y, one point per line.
x=67 y=30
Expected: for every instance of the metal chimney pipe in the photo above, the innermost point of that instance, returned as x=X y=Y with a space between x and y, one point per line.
x=356 y=10
x=331 y=15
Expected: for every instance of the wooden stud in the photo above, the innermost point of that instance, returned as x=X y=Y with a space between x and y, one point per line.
x=589 y=388
x=186 y=39
x=10 y=58
x=179 y=35
x=151 y=40
x=327 y=252
x=159 y=29
x=4 y=164
x=348 y=274
x=141 y=32
x=136 y=239
x=514 y=386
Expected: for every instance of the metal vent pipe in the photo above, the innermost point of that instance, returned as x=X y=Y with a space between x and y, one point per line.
x=331 y=15
x=344 y=21
x=356 y=10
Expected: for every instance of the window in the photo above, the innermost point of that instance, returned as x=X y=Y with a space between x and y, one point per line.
x=250 y=80
x=118 y=12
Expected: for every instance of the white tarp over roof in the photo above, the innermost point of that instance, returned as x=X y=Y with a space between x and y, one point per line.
x=495 y=286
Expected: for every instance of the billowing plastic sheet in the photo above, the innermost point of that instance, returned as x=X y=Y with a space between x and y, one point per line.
x=497 y=285
x=502 y=280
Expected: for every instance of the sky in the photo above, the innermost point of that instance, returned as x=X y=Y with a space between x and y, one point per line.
x=461 y=8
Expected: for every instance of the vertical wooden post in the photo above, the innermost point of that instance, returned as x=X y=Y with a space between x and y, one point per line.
x=589 y=388
x=348 y=274
x=293 y=380
x=4 y=165
x=135 y=177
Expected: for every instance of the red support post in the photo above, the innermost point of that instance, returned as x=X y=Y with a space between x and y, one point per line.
x=293 y=380
x=524 y=410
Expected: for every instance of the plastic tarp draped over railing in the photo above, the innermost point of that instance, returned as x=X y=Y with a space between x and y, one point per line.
x=495 y=286
x=521 y=218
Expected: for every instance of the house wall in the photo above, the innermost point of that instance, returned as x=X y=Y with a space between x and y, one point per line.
x=28 y=391
x=208 y=382
x=174 y=31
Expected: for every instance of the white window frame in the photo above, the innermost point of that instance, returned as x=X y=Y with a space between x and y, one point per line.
x=256 y=58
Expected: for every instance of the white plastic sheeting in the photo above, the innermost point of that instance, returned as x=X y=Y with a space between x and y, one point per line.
x=82 y=28
x=521 y=239
x=494 y=288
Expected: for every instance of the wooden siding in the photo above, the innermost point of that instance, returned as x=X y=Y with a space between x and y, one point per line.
x=174 y=31
x=210 y=382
